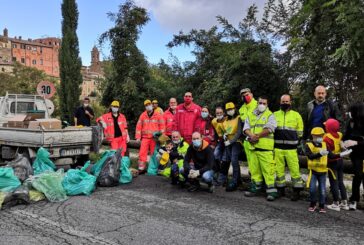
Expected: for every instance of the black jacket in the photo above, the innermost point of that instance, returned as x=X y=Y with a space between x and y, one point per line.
x=202 y=158
x=331 y=111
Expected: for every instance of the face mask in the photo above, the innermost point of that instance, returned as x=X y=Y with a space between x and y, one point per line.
x=149 y=107
x=173 y=107
x=285 y=107
x=175 y=142
x=220 y=117
x=246 y=99
x=196 y=143
x=187 y=100
x=319 y=140
x=261 y=108
x=114 y=109
x=85 y=105
x=204 y=114
x=230 y=112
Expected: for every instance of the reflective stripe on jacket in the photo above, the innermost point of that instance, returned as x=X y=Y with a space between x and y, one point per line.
x=245 y=109
x=289 y=129
x=147 y=126
x=257 y=124
x=109 y=130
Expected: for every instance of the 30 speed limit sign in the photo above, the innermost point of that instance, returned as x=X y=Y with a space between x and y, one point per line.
x=46 y=89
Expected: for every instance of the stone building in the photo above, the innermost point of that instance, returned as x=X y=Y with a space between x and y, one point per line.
x=5 y=53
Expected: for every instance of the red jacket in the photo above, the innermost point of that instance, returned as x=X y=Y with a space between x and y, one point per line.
x=146 y=125
x=184 y=120
x=109 y=130
x=207 y=133
x=168 y=120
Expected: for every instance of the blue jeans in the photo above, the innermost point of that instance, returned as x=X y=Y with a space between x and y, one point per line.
x=232 y=152
x=321 y=179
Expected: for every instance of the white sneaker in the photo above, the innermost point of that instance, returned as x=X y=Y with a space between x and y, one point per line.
x=352 y=205
x=344 y=205
x=334 y=207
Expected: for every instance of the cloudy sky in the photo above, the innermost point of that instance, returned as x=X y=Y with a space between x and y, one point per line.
x=42 y=18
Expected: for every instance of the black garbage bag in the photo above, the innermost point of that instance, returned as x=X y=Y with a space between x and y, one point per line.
x=17 y=197
x=22 y=167
x=110 y=172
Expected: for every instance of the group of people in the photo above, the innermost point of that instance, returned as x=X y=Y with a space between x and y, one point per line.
x=198 y=146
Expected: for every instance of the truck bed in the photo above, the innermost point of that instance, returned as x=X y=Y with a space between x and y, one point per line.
x=45 y=138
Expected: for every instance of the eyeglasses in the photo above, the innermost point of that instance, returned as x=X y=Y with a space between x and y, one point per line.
x=188 y=96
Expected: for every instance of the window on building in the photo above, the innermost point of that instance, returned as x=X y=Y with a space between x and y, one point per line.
x=14 y=59
x=14 y=45
x=34 y=62
x=1 y=57
x=41 y=61
x=29 y=47
x=2 y=69
x=22 y=46
x=23 y=60
x=41 y=49
x=34 y=48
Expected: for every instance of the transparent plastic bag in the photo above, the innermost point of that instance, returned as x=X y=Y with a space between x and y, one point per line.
x=50 y=184
x=42 y=162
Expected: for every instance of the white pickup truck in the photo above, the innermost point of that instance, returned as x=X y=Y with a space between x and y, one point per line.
x=66 y=146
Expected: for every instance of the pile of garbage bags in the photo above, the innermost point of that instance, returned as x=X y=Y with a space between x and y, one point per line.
x=22 y=183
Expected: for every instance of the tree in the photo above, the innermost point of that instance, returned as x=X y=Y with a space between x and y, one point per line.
x=69 y=60
x=127 y=79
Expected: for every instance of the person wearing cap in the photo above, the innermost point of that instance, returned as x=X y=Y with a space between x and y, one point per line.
x=287 y=135
x=317 y=159
x=186 y=116
x=259 y=127
x=149 y=124
x=84 y=114
x=168 y=115
x=249 y=105
x=232 y=133
x=115 y=127
x=156 y=107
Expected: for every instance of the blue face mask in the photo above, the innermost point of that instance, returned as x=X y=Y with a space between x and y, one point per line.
x=204 y=114
x=196 y=143
x=319 y=140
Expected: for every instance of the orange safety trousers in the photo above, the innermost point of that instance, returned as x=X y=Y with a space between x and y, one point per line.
x=146 y=145
x=117 y=143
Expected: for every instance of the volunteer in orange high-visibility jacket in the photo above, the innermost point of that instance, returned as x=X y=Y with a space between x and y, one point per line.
x=115 y=127
x=150 y=122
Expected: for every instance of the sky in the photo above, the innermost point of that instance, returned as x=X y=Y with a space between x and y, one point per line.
x=42 y=18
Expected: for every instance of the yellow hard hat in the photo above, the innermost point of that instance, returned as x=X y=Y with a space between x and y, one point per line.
x=229 y=106
x=317 y=131
x=155 y=101
x=115 y=103
x=164 y=159
x=146 y=102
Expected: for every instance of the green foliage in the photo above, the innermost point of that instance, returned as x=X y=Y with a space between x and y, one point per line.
x=69 y=60
x=23 y=80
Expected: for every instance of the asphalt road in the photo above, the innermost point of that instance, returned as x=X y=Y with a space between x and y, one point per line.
x=151 y=211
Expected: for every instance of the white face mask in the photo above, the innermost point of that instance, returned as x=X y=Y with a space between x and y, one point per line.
x=114 y=109
x=85 y=105
x=149 y=107
x=261 y=108
x=173 y=107
x=220 y=117
x=319 y=140
x=230 y=112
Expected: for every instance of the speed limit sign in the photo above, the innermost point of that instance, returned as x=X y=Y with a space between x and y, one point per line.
x=46 y=89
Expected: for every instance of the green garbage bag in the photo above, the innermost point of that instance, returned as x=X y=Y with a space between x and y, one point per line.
x=96 y=168
x=125 y=175
x=153 y=163
x=50 y=184
x=78 y=181
x=8 y=181
x=42 y=162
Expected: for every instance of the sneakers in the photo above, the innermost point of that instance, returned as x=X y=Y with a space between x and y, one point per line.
x=352 y=205
x=322 y=210
x=193 y=188
x=211 y=188
x=334 y=207
x=344 y=205
x=141 y=171
x=250 y=194
x=312 y=209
